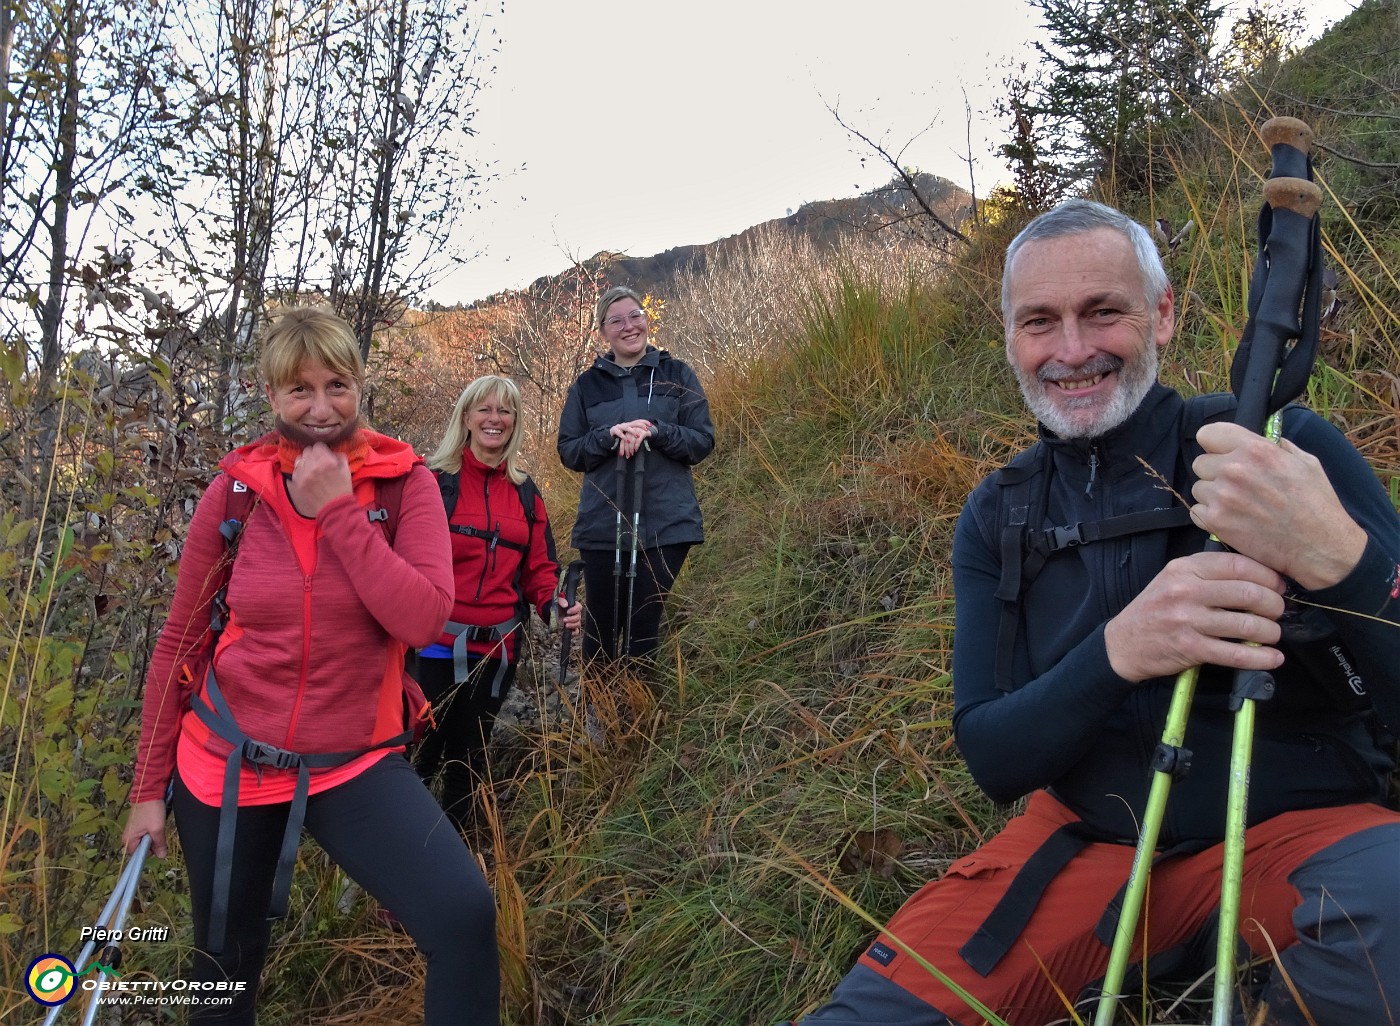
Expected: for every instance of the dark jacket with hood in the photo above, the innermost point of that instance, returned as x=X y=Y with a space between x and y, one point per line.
x=659 y=389
x=1073 y=726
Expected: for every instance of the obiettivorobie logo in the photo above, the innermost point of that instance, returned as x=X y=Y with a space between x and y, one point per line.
x=51 y=979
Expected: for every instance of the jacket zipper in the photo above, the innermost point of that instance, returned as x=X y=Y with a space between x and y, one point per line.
x=305 y=660
x=490 y=545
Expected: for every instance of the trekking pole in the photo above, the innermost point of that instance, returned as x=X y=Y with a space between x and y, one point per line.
x=636 y=526
x=621 y=485
x=1285 y=339
x=109 y=922
x=566 y=638
x=1270 y=369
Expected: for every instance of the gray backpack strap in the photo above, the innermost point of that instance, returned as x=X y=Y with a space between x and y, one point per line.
x=498 y=634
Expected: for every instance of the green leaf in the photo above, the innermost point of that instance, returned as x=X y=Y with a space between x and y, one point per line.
x=18 y=533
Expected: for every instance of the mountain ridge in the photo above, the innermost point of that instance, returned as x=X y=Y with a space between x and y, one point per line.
x=890 y=207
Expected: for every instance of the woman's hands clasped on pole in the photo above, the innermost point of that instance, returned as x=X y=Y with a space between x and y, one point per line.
x=631 y=435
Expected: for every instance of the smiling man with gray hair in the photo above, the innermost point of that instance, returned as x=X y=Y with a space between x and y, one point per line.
x=1081 y=592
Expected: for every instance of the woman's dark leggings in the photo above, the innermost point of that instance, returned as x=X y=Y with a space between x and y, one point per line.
x=464 y=718
x=656 y=573
x=384 y=829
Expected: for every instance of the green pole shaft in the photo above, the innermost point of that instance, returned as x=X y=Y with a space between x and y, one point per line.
x=1173 y=734
x=1232 y=870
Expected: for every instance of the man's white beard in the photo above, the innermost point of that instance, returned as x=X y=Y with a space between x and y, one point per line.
x=1135 y=379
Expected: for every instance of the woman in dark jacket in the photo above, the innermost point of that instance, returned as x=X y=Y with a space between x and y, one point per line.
x=634 y=423
x=503 y=562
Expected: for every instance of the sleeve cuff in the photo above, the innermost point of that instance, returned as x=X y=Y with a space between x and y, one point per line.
x=1372 y=585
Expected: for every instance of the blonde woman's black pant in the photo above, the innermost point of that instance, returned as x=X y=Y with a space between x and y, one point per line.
x=465 y=714
x=389 y=835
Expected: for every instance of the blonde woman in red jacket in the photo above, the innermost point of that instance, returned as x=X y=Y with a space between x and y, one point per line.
x=503 y=564
x=300 y=717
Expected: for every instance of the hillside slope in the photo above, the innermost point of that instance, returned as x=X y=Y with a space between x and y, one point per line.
x=827 y=223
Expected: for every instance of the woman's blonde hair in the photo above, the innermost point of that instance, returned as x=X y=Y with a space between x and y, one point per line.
x=610 y=297
x=309 y=334
x=456 y=437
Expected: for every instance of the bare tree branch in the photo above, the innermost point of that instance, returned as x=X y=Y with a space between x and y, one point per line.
x=903 y=175
x=967 y=159
x=1392 y=166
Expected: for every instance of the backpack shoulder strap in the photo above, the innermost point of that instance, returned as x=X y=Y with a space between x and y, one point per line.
x=388 y=494
x=239 y=503
x=530 y=500
x=528 y=493
x=1200 y=411
x=1015 y=497
x=1023 y=483
x=449 y=484
x=1207 y=409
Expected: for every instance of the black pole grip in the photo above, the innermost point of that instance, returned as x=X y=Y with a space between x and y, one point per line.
x=571 y=578
x=1276 y=352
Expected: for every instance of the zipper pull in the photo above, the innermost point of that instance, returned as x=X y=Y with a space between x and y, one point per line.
x=1093 y=471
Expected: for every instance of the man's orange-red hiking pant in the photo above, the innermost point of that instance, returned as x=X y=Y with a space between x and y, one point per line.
x=1322 y=886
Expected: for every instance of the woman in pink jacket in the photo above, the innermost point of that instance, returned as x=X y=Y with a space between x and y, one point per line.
x=300 y=716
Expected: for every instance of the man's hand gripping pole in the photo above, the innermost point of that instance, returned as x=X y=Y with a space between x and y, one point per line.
x=1270 y=369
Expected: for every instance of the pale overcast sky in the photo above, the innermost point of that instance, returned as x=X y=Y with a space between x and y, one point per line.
x=638 y=125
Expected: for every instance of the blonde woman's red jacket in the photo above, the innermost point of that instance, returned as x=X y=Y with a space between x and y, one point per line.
x=311 y=660
x=487 y=574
